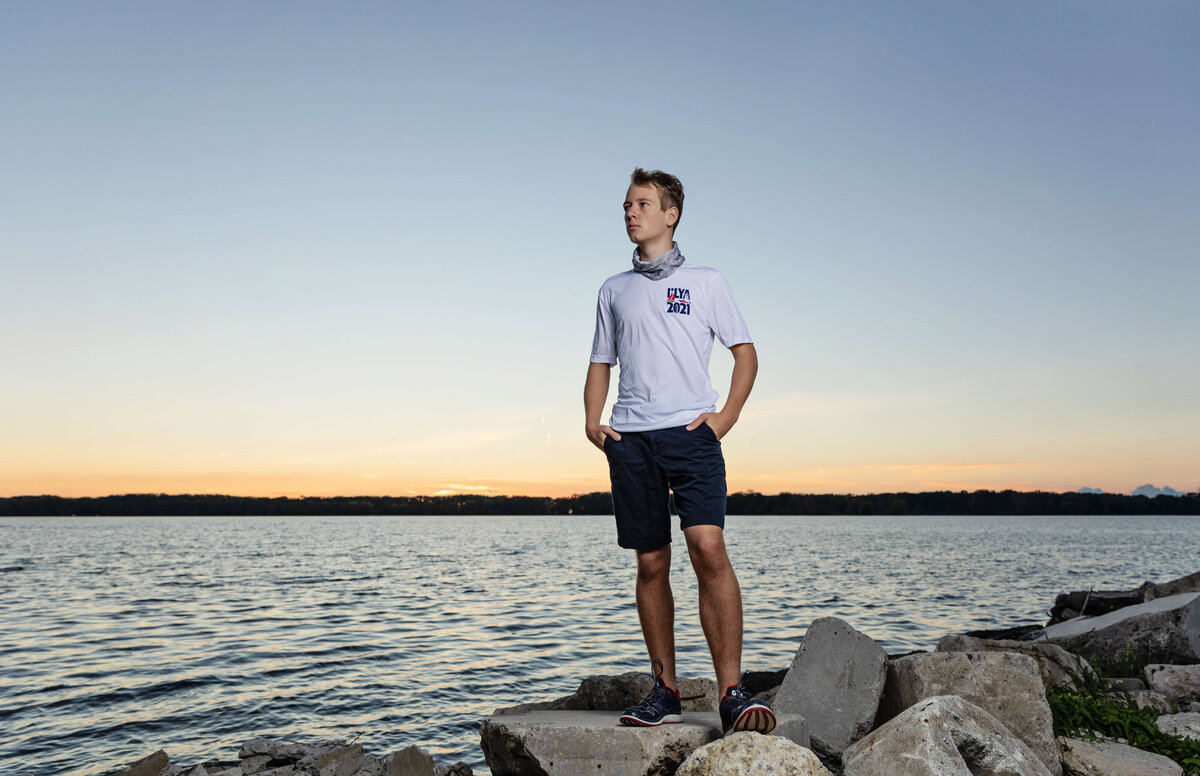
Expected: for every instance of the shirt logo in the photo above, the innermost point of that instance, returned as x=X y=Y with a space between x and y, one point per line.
x=679 y=301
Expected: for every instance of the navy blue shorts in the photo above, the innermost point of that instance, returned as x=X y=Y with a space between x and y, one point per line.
x=646 y=466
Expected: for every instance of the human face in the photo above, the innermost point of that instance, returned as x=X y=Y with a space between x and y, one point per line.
x=646 y=223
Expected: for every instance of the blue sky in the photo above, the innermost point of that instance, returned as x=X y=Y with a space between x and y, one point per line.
x=322 y=248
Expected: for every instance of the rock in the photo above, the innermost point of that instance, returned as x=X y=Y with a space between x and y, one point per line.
x=345 y=760
x=1188 y=584
x=285 y=770
x=1018 y=633
x=411 y=761
x=835 y=683
x=1126 y=683
x=619 y=692
x=1149 y=698
x=255 y=763
x=1186 y=725
x=1094 y=602
x=279 y=750
x=198 y=770
x=1109 y=758
x=943 y=736
x=750 y=754
x=1180 y=683
x=1006 y=685
x=1166 y=630
x=1058 y=667
x=562 y=743
x=457 y=769
x=760 y=683
x=151 y=765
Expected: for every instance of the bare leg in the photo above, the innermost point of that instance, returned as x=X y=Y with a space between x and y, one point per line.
x=656 y=608
x=720 y=601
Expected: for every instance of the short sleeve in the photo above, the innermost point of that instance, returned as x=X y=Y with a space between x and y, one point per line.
x=604 y=341
x=724 y=317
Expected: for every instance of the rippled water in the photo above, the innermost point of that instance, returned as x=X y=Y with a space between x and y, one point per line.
x=119 y=636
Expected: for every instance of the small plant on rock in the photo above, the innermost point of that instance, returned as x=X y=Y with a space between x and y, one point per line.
x=1089 y=711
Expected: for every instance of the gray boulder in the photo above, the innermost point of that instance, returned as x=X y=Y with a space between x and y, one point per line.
x=411 y=761
x=1165 y=630
x=1179 y=683
x=1006 y=685
x=1109 y=758
x=455 y=769
x=343 y=760
x=750 y=754
x=1186 y=724
x=1188 y=584
x=1057 y=666
x=943 y=736
x=151 y=765
x=835 y=682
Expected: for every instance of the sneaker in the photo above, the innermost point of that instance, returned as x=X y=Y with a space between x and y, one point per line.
x=660 y=707
x=741 y=712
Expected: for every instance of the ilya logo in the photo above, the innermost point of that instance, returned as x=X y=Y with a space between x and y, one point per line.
x=679 y=301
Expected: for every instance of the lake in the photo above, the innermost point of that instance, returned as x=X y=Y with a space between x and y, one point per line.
x=120 y=636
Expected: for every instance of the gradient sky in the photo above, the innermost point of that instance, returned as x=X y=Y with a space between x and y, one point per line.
x=326 y=248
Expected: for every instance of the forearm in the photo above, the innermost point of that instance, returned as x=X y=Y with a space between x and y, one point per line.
x=595 y=393
x=745 y=369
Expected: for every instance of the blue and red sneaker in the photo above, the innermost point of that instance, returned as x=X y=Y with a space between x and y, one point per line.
x=741 y=712
x=660 y=707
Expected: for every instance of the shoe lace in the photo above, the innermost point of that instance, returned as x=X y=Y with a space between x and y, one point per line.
x=658 y=691
x=737 y=691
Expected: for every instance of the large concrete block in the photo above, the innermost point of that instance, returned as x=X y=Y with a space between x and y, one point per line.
x=1006 y=685
x=942 y=736
x=750 y=754
x=1109 y=758
x=573 y=743
x=1058 y=667
x=1165 y=630
x=1180 y=683
x=835 y=682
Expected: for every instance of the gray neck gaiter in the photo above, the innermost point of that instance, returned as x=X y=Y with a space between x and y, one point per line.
x=662 y=267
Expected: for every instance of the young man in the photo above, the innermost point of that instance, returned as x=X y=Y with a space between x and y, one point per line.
x=658 y=321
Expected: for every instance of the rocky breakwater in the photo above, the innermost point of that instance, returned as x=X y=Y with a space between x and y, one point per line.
x=267 y=757
x=976 y=706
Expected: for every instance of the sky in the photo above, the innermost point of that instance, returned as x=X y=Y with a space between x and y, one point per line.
x=313 y=249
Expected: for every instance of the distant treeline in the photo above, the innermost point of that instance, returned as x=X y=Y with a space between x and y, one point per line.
x=979 y=502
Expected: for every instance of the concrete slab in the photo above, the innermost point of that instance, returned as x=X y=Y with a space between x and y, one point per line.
x=1165 y=630
x=574 y=743
x=1082 y=625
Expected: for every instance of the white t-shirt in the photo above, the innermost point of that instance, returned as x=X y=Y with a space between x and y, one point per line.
x=660 y=333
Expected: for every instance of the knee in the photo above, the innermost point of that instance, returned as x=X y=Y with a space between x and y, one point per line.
x=655 y=565
x=709 y=558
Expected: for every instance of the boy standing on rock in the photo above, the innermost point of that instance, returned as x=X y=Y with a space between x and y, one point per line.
x=658 y=321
